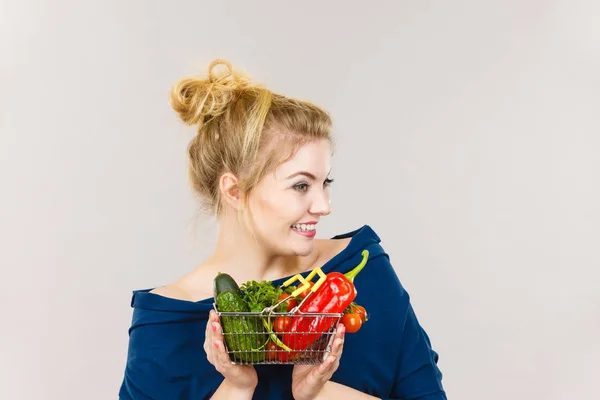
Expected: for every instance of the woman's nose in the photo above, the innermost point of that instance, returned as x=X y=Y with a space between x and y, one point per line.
x=321 y=205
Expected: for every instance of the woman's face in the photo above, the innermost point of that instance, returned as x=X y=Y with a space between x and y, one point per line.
x=287 y=205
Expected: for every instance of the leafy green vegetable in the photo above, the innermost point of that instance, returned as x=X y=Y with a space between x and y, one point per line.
x=260 y=295
x=290 y=289
x=263 y=294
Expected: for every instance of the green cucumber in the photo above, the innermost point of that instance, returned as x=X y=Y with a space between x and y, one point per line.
x=243 y=334
x=223 y=283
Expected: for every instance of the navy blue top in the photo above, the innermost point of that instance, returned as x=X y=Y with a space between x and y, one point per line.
x=390 y=357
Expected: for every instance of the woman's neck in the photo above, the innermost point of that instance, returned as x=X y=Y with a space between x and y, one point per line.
x=239 y=254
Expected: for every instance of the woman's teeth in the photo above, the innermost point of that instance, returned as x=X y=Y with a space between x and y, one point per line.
x=303 y=227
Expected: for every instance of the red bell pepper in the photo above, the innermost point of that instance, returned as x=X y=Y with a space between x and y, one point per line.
x=334 y=296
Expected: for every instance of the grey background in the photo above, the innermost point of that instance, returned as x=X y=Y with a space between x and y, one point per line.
x=468 y=138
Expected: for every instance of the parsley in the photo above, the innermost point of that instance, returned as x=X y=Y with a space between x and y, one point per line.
x=260 y=295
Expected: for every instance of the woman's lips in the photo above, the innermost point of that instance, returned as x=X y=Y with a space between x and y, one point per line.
x=309 y=234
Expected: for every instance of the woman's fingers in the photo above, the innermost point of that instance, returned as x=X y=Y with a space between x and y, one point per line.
x=341 y=333
x=217 y=341
x=213 y=337
x=338 y=343
x=216 y=332
x=222 y=358
x=331 y=363
x=208 y=338
x=222 y=355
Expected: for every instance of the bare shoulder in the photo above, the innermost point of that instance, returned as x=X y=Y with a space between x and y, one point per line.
x=329 y=248
x=194 y=286
x=173 y=291
x=339 y=244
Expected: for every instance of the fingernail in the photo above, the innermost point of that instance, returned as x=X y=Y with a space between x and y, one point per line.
x=216 y=344
x=214 y=327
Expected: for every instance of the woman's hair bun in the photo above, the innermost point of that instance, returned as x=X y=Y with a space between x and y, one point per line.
x=197 y=100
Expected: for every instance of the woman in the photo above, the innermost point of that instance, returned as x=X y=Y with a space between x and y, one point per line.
x=260 y=163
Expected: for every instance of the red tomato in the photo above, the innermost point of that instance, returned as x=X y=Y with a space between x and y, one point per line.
x=282 y=324
x=352 y=322
x=291 y=303
x=271 y=354
x=361 y=312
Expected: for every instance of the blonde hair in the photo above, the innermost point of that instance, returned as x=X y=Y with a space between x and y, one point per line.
x=243 y=128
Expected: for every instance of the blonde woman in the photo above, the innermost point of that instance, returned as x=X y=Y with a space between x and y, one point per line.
x=260 y=162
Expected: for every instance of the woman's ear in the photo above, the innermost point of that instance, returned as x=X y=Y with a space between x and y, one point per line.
x=230 y=192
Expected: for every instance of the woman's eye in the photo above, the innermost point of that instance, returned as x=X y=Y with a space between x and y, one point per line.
x=327 y=182
x=301 y=187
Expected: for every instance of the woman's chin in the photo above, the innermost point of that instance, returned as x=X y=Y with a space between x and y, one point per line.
x=304 y=250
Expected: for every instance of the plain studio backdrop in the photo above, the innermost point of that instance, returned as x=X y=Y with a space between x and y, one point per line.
x=468 y=138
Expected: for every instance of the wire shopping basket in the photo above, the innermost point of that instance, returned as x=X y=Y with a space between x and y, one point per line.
x=270 y=337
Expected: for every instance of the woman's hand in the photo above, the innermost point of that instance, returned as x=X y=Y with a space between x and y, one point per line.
x=242 y=377
x=308 y=380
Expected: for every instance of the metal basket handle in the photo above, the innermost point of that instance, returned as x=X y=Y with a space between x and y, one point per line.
x=305 y=281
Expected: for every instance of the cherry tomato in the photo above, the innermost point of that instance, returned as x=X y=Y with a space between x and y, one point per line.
x=352 y=322
x=361 y=312
x=271 y=354
x=282 y=324
x=307 y=291
x=291 y=303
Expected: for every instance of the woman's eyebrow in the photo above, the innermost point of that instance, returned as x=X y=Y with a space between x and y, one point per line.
x=305 y=173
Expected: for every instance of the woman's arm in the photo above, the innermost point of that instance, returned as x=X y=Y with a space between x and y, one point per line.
x=335 y=391
x=414 y=369
x=418 y=376
x=226 y=391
